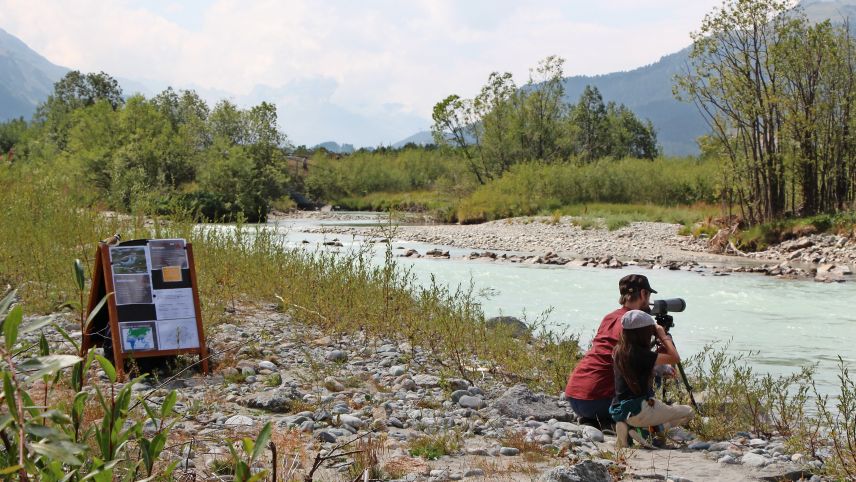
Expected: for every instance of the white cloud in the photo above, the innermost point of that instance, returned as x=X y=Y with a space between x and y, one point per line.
x=378 y=52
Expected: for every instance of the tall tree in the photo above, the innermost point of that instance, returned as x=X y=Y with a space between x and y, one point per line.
x=733 y=80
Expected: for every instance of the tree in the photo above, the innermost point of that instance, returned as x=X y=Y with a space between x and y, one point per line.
x=591 y=126
x=542 y=109
x=733 y=80
x=72 y=92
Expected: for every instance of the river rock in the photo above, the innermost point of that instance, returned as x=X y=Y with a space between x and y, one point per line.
x=509 y=451
x=517 y=328
x=426 y=381
x=592 y=433
x=468 y=401
x=585 y=471
x=754 y=460
x=238 y=420
x=337 y=356
x=278 y=401
x=519 y=402
x=455 y=397
x=350 y=421
x=333 y=385
x=266 y=365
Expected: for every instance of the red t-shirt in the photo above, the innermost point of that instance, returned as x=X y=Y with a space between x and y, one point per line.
x=593 y=378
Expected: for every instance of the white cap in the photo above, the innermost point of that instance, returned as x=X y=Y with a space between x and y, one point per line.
x=634 y=319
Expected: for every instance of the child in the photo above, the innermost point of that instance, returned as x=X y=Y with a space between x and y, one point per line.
x=634 y=361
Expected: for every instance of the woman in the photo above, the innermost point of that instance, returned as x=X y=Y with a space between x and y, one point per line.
x=634 y=362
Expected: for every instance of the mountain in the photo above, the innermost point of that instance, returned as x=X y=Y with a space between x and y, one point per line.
x=26 y=78
x=332 y=146
x=648 y=90
x=421 y=138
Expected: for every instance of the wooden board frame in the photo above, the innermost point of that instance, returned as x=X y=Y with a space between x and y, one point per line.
x=102 y=284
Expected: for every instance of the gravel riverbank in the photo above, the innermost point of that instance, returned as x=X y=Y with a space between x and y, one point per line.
x=319 y=392
x=825 y=257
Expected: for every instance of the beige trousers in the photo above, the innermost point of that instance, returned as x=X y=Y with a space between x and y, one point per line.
x=661 y=414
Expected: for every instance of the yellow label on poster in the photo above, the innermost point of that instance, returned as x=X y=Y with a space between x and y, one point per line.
x=171 y=274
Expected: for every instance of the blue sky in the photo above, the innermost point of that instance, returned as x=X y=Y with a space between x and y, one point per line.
x=364 y=72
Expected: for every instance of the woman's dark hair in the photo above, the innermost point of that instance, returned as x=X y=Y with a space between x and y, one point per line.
x=641 y=339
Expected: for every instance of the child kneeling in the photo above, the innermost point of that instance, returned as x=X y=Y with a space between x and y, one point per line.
x=634 y=361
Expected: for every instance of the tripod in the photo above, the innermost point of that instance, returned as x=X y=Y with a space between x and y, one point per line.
x=667 y=322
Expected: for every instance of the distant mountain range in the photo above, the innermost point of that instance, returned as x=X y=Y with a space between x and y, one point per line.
x=27 y=78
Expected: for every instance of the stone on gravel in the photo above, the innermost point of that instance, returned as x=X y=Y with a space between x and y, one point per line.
x=396 y=370
x=426 y=381
x=754 y=460
x=333 y=385
x=238 y=420
x=519 y=402
x=326 y=436
x=509 y=451
x=278 y=401
x=350 y=421
x=592 y=434
x=266 y=365
x=337 y=356
x=457 y=394
x=585 y=471
x=475 y=403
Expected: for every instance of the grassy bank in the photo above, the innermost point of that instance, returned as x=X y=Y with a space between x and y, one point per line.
x=533 y=188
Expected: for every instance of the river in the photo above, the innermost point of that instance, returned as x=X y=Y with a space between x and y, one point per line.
x=780 y=324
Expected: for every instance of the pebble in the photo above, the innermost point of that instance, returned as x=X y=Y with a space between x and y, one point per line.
x=592 y=433
x=509 y=451
x=337 y=356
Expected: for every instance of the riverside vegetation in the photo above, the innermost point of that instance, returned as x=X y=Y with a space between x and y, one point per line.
x=341 y=295
x=165 y=163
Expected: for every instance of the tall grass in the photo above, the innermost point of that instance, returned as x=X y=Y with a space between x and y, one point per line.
x=339 y=293
x=533 y=188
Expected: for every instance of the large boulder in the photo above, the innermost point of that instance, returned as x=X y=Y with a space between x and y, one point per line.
x=519 y=402
x=585 y=471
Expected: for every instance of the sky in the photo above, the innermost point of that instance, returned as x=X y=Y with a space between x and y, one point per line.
x=366 y=72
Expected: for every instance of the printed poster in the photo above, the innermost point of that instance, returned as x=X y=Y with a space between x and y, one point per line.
x=174 y=303
x=168 y=253
x=177 y=334
x=132 y=289
x=138 y=336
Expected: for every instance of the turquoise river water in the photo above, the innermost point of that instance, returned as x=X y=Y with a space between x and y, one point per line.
x=784 y=324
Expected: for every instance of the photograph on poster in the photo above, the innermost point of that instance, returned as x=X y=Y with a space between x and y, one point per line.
x=129 y=260
x=174 y=303
x=138 y=336
x=167 y=253
x=132 y=289
x=177 y=334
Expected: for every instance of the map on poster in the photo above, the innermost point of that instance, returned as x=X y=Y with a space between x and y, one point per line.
x=154 y=295
x=138 y=336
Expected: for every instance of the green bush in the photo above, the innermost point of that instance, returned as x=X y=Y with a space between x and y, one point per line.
x=533 y=188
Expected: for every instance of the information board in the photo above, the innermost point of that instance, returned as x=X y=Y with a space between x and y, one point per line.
x=154 y=310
